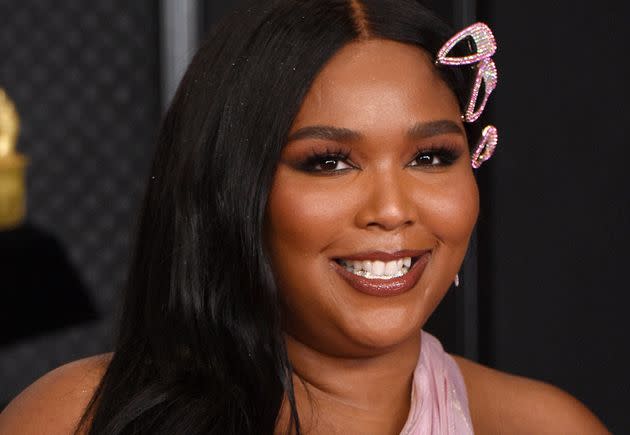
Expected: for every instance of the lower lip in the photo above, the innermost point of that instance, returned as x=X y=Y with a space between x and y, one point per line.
x=385 y=287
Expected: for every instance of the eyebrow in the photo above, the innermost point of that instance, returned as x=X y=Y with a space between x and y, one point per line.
x=325 y=132
x=423 y=130
x=420 y=130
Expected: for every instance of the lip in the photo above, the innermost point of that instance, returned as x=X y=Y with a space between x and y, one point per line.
x=385 y=287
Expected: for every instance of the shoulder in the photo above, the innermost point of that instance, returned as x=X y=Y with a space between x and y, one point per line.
x=55 y=403
x=501 y=403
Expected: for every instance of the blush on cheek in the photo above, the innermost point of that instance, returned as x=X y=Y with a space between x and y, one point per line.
x=304 y=216
x=452 y=214
x=458 y=220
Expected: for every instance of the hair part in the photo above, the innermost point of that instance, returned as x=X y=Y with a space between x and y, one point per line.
x=360 y=20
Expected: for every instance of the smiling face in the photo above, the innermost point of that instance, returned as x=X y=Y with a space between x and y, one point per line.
x=377 y=162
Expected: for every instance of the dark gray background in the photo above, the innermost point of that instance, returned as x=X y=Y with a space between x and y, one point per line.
x=544 y=292
x=556 y=233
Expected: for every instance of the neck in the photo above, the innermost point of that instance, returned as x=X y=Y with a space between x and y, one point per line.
x=367 y=395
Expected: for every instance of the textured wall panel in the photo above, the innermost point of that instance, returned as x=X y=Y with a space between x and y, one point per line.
x=84 y=76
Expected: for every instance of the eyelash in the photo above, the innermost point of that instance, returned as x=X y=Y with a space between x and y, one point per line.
x=445 y=153
x=320 y=157
x=448 y=154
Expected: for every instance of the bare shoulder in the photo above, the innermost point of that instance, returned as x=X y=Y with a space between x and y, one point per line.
x=55 y=402
x=501 y=403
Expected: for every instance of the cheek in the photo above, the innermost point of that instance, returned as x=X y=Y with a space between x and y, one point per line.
x=449 y=210
x=302 y=216
x=302 y=220
x=450 y=214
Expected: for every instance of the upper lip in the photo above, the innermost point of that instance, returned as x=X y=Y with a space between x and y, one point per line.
x=383 y=256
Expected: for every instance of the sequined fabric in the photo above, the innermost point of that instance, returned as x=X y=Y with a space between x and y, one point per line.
x=439 y=404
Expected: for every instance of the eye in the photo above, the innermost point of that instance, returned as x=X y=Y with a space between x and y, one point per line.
x=436 y=157
x=326 y=162
x=331 y=164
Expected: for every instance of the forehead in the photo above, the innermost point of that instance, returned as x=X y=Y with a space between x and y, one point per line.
x=375 y=83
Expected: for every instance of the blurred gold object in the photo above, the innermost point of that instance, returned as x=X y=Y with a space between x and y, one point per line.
x=12 y=167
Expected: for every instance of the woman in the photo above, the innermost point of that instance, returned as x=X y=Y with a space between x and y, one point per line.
x=310 y=203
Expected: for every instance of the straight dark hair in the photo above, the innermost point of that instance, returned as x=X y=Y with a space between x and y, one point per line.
x=200 y=348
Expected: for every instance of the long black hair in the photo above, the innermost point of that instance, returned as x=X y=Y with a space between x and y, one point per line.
x=200 y=348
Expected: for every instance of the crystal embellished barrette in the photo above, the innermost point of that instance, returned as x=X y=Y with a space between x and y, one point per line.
x=486 y=73
x=481 y=45
x=486 y=146
x=484 y=45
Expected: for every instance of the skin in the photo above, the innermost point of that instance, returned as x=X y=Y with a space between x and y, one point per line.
x=354 y=354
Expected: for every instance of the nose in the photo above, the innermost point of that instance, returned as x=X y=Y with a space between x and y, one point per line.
x=385 y=202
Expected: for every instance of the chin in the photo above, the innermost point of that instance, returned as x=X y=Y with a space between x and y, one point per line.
x=383 y=329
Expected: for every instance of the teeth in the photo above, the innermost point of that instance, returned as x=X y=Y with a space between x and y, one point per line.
x=378 y=269
x=391 y=267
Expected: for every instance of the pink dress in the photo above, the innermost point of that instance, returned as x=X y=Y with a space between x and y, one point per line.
x=439 y=404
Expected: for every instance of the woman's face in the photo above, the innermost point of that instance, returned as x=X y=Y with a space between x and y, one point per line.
x=377 y=162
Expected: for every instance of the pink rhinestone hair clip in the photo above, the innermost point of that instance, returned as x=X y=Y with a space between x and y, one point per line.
x=484 y=41
x=486 y=73
x=480 y=40
x=486 y=146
